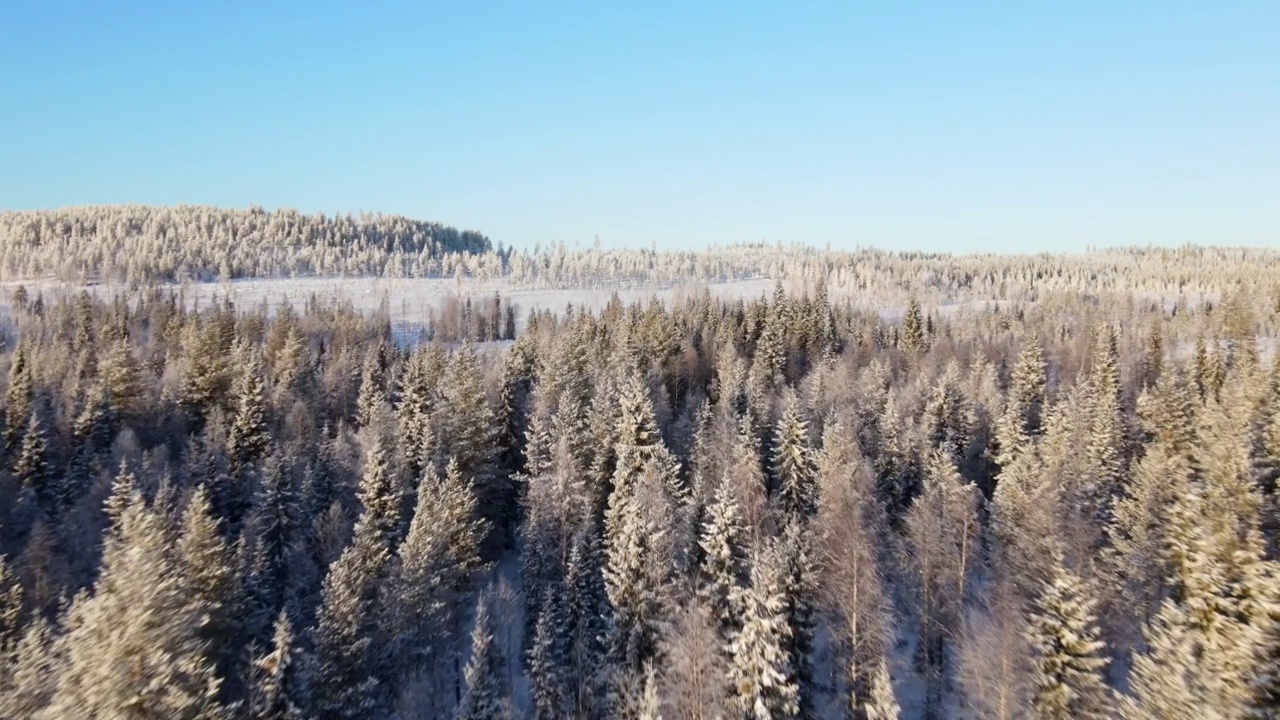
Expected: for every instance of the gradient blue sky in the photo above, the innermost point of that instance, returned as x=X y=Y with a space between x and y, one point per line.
x=905 y=125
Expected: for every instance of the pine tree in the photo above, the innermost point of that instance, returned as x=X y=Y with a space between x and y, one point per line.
x=133 y=648
x=486 y=695
x=761 y=675
x=1069 y=657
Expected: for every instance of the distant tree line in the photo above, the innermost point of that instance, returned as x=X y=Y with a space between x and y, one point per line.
x=140 y=244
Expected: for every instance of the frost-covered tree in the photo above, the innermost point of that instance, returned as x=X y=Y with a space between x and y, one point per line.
x=881 y=704
x=344 y=682
x=1068 y=657
x=793 y=464
x=762 y=679
x=941 y=547
x=209 y=577
x=431 y=578
x=133 y=648
x=725 y=565
x=279 y=690
x=486 y=697
x=248 y=437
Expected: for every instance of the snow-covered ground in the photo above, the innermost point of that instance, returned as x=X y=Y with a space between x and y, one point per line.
x=408 y=300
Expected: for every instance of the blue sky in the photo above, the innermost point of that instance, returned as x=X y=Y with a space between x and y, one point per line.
x=934 y=126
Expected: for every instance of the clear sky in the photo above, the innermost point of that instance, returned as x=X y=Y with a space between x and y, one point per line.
x=907 y=125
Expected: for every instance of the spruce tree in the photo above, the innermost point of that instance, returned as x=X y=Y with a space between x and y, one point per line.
x=345 y=683
x=19 y=400
x=725 y=567
x=794 y=467
x=11 y=596
x=1023 y=419
x=210 y=581
x=1068 y=656
x=486 y=697
x=914 y=341
x=133 y=648
x=549 y=659
x=761 y=677
x=380 y=496
x=632 y=590
x=797 y=583
x=31 y=469
x=248 y=437
x=279 y=690
x=433 y=573
x=1105 y=442
x=881 y=705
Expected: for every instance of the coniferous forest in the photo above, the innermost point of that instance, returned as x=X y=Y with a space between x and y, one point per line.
x=898 y=485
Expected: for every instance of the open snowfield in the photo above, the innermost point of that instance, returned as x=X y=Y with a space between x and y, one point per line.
x=409 y=300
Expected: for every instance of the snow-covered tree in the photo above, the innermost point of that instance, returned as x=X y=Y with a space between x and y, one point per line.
x=486 y=697
x=133 y=650
x=762 y=679
x=1068 y=657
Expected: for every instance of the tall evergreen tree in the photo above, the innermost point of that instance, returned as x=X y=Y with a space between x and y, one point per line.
x=761 y=676
x=133 y=648
x=248 y=437
x=279 y=689
x=486 y=696
x=725 y=567
x=210 y=580
x=19 y=400
x=1069 y=658
x=794 y=467
x=881 y=705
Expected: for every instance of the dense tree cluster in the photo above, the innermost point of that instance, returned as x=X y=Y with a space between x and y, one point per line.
x=789 y=507
x=142 y=244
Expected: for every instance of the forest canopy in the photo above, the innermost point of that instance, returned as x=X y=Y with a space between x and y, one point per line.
x=896 y=485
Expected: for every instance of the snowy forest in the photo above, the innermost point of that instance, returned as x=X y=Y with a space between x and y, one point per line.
x=897 y=486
